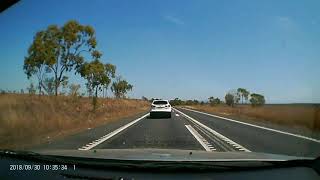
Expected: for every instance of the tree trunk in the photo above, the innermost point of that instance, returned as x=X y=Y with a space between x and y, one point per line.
x=56 y=86
x=56 y=90
x=39 y=88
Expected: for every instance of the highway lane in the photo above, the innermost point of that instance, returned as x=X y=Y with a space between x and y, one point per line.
x=177 y=132
x=186 y=130
x=166 y=133
x=258 y=140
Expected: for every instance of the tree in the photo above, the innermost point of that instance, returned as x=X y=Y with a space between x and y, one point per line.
x=120 y=87
x=96 y=76
x=243 y=94
x=34 y=64
x=31 y=89
x=213 y=101
x=64 y=84
x=59 y=50
x=74 y=90
x=257 y=100
x=246 y=95
x=48 y=85
x=110 y=70
x=217 y=101
x=195 y=102
x=176 y=102
x=235 y=95
x=89 y=90
x=230 y=99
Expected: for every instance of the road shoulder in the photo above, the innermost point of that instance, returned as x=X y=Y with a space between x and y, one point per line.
x=77 y=140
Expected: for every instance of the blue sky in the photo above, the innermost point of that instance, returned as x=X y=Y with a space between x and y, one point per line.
x=184 y=48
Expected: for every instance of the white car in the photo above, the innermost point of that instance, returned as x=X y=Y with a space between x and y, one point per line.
x=160 y=108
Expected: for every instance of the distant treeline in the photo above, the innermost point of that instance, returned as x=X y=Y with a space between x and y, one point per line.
x=232 y=97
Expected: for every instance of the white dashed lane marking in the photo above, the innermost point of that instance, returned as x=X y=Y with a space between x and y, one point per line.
x=204 y=143
x=215 y=133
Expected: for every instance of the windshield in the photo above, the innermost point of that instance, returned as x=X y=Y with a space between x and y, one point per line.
x=160 y=102
x=241 y=77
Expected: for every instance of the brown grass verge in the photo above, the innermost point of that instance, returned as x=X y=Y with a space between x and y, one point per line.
x=28 y=120
x=299 y=116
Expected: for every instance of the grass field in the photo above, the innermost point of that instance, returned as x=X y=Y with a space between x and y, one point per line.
x=28 y=120
x=290 y=115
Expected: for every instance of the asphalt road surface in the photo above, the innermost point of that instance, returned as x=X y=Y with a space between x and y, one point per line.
x=189 y=130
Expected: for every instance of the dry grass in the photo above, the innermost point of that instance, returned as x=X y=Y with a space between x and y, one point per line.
x=27 y=120
x=300 y=116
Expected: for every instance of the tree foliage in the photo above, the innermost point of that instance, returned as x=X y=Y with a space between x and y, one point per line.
x=229 y=99
x=176 y=102
x=243 y=94
x=257 y=99
x=58 y=50
x=96 y=74
x=214 y=101
x=110 y=70
x=120 y=87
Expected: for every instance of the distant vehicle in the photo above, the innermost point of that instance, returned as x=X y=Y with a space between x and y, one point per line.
x=160 y=108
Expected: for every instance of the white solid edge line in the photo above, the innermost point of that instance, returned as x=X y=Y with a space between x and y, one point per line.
x=224 y=138
x=261 y=127
x=108 y=136
x=198 y=137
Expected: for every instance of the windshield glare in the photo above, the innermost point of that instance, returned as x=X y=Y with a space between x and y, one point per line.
x=162 y=77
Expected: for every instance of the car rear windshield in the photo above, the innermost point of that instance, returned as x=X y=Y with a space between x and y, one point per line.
x=160 y=102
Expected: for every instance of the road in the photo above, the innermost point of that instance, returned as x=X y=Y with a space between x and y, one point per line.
x=189 y=130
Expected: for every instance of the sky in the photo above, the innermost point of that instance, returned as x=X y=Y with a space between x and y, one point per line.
x=191 y=49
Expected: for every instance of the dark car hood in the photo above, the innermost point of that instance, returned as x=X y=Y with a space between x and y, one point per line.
x=169 y=155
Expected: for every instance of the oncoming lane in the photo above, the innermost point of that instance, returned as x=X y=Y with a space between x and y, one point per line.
x=258 y=139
